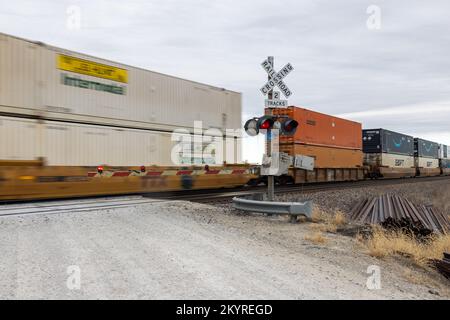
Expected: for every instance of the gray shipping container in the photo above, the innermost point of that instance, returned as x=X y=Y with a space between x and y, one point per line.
x=426 y=149
x=386 y=141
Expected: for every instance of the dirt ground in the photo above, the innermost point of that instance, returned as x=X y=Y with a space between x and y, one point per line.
x=183 y=250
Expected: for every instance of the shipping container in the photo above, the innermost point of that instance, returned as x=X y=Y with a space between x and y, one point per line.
x=321 y=129
x=445 y=163
x=386 y=141
x=69 y=144
x=444 y=152
x=38 y=80
x=429 y=163
x=388 y=160
x=426 y=149
x=326 y=157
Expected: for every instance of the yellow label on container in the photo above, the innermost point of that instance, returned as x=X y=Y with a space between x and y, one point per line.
x=92 y=68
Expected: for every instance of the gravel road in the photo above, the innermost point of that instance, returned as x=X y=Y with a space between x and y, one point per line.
x=182 y=250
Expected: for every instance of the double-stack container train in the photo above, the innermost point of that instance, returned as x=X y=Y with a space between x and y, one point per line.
x=426 y=157
x=145 y=131
x=334 y=143
x=78 y=110
x=388 y=154
x=73 y=125
x=444 y=159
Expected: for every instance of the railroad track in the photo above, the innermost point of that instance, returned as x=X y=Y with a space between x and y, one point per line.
x=78 y=205
x=200 y=196
x=211 y=196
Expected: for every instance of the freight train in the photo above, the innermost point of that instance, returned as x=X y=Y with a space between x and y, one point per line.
x=73 y=125
x=341 y=149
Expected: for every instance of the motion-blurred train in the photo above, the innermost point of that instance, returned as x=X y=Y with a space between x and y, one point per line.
x=74 y=125
x=341 y=150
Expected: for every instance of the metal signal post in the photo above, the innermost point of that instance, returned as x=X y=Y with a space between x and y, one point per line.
x=270 y=179
x=284 y=125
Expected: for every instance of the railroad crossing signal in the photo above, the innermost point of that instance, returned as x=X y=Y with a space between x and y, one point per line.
x=286 y=125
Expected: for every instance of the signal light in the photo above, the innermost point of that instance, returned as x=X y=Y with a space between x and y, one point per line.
x=289 y=126
x=286 y=125
x=251 y=127
x=100 y=169
x=143 y=169
x=265 y=123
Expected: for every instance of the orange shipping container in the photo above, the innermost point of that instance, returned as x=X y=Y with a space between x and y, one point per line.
x=321 y=129
x=326 y=157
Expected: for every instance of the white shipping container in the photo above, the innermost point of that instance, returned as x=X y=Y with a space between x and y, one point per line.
x=73 y=144
x=56 y=84
x=426 y=163
x=389 y=160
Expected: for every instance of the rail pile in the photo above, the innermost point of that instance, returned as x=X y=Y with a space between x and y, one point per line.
x=391 y=210
x=444 y=265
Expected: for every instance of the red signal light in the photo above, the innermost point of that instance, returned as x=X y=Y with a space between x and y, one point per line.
x=100 y=169
x=265 y=122
x=142 y=168
x=265 y=125
x=253 y=126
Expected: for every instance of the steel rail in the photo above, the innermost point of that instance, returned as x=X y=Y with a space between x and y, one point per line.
x=205 y=197
x=200 y=196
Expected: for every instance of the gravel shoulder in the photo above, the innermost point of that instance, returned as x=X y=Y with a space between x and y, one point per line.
x=436 y=193
x=183 y=250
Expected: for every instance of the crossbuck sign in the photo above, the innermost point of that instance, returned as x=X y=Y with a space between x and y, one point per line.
x=276 y=78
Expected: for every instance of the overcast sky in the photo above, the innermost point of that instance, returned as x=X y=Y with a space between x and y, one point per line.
x=396 y=77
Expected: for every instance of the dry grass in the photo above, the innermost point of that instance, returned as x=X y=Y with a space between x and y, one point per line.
x=322 y=227
x=326 y=222
x=319 y=215
x=383 y=243
x=316 y=238
x=339 y=219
